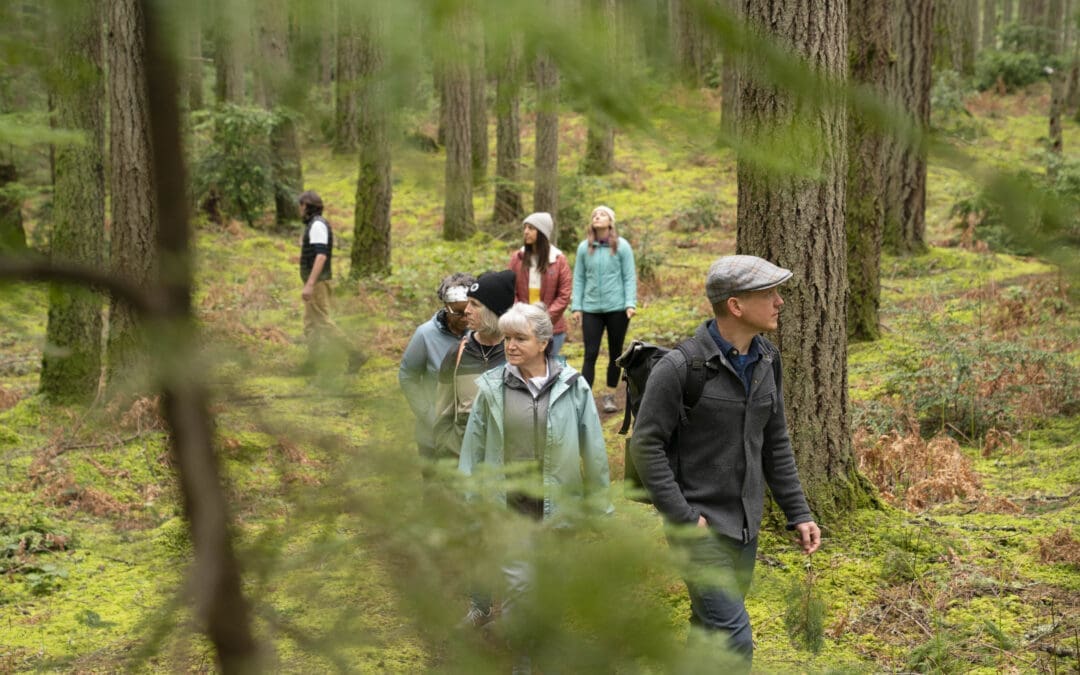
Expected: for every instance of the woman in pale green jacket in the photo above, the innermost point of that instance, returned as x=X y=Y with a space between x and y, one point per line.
x=534 y=444
x=604 y=297
x=537 y=413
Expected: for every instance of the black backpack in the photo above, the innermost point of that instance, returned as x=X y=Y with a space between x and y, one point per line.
x=637 y=363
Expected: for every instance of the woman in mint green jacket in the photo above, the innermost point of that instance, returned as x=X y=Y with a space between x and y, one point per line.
x=534 y=444
x=604 y=296
x=538 y=414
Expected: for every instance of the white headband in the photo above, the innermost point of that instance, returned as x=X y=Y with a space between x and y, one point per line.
x=456 y=294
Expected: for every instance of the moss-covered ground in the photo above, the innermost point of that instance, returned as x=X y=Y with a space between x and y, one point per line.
x=325 y=491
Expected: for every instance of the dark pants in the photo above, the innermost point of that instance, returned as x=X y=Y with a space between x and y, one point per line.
x=592 y=329
x=716 y=602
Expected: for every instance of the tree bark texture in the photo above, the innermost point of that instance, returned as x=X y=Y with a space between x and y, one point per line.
x=508 y=202
x=370 y=254
x=132 y=248
x=599 y=157
x=193 y=70
x=1058 y=82
x=478 y=117
x=346 y=123
x=229 y=49
x=458 y=220
x=870 y=50
x=219 y=602
x=12 y=233
x=1007 y=11
x=729 y=83
x=955 y=35
x=1055 y=26
x=71 y=366
x=989 y=24
x=273 y=71
x=691 y=44
x=910 y=80
x=798 y=223
x=546 y=180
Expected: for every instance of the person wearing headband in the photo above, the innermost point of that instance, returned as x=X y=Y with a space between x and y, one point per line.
x=419 y=371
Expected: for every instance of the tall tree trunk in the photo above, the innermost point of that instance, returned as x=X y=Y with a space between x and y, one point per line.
x=371 y=228
x=12 y=233
x=508 y=203
x=193 y=70
x=230 y=39
x=870 y=51
x=691 y=44
x=478 y=118
x=273 y=72
x=458 y=220
x=799 y=223
x=599 y=157
x=1032 y=16
x=71 y=366
x=1055 y=26
x=219 y=601
x=729 y=84
x=1055 y=143
x=1006 y=11
x=955 y=35
x=905 y=215
x=989 y=24
x=132 y=248
x=546 y=181
x=346 y=126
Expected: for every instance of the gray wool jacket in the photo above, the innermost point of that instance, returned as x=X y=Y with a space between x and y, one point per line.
x=731 y=446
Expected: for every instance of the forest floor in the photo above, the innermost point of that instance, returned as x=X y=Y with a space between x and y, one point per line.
x=965 y=414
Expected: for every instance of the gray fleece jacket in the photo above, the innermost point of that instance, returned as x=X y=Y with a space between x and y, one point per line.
x=718 y=463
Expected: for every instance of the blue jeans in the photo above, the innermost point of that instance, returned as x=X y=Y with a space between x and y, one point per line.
x=716 y=602
x=557 y=341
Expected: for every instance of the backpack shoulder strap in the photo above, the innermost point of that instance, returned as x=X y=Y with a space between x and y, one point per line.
x=695 y=375
x=454 y=379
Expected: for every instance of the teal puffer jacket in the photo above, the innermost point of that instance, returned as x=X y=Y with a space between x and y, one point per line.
x=604 y=281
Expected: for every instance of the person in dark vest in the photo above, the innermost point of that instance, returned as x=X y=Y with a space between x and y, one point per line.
x=316 y=271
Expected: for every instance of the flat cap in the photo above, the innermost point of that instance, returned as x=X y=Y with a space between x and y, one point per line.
x=734 y=274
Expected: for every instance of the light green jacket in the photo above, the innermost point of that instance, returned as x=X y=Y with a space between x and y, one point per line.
x=575 y=463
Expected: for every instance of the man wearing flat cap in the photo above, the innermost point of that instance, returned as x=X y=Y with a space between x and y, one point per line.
x=706 y=467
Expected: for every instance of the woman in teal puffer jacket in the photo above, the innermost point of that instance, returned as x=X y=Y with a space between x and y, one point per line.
x=604 y=296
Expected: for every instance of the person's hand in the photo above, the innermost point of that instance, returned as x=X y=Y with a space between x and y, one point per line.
x=576 y=316
x=630 y=312
x=701 y=522
x=808 y=536
x=308 y=291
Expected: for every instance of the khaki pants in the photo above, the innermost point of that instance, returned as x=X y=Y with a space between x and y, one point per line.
x=319 y=328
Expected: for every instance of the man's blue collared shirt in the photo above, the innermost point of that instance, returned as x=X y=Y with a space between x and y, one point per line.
x=742 y=363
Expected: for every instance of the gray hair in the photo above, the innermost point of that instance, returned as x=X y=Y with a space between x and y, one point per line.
x=527 y=319
x=456 y=279
x=489 y=321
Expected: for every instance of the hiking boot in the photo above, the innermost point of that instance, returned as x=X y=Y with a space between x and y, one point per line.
x=477 y=617
x=356 y=360
x=607 y=403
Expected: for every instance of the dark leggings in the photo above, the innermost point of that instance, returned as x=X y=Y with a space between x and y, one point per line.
x=592 y=328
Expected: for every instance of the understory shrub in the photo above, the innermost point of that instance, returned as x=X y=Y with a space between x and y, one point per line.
x=912 y=472
x=1025 y=214
x=1008 y=70
x=702 y=214
x=233 y=165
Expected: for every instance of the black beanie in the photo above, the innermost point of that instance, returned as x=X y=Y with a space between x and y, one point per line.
x=495 y=290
